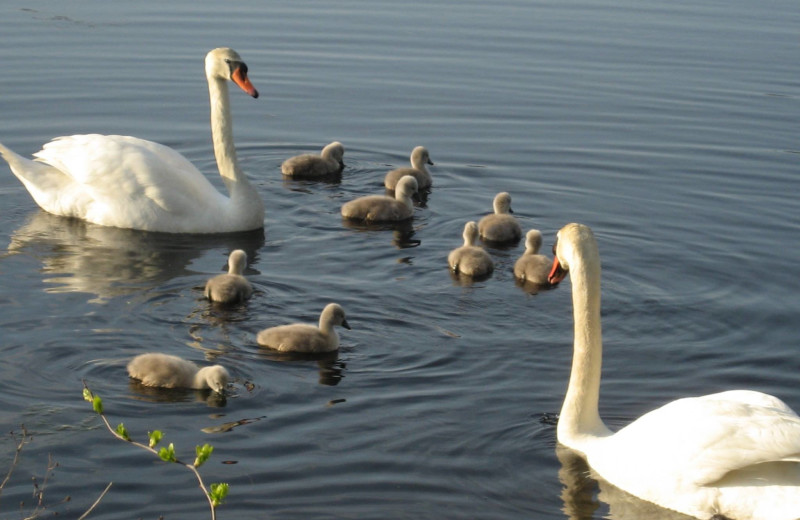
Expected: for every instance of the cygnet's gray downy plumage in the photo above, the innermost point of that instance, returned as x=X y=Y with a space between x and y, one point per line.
x=419 y=158
x=311 y=166
x=500 y=226
x=380 y=208
x=299 y=337
x=166 y=371
x=231 y=287
x=469 y=259
x=531 y=266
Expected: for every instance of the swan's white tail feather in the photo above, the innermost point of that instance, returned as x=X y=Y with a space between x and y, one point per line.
x=49 y=187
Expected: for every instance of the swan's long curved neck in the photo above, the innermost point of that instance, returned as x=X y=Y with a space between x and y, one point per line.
x=579 y=420
x=222 y=136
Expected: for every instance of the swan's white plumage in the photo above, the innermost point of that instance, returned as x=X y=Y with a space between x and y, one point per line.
x=231 y=287
x=166 y=371
x=531 y=266
x=380 y=208
x=328 y=163
x=300 y=337
x=500 y=226
x=420 y=158
x=732 y=453
x=127 y=182
x=469 y=259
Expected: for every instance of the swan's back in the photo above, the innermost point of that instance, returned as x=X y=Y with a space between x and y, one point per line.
x=310 y=166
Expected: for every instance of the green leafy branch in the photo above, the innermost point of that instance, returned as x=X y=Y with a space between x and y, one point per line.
x=215 y=493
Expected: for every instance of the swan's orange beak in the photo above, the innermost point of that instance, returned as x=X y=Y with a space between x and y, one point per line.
x=557 y=273
x=239 y=77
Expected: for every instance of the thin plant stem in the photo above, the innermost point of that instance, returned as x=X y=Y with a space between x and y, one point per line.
x=145 y=447
x=84 y=515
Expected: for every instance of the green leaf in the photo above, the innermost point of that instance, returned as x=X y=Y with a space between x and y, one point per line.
x=167 y=454
x=155 y=437
x=203 y=453
x=123 y=432
x=218 y=493
x=97 y=405
x=87 y=394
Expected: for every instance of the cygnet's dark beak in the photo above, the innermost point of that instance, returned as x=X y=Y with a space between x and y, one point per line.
x=346 y=325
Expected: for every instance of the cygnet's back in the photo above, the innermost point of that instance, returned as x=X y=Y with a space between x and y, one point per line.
x=380 y=208
x=469 y=259
x=166 y=371
x=231 y=287
x=419 y=159
x=500 y=227
x=531 y=266
x=300 y=337
x=310 y=166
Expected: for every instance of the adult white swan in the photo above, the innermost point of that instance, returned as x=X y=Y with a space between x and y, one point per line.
x=733 y=454
x=127 y=182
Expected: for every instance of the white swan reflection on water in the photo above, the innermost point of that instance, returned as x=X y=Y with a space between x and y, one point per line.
x=108 y=262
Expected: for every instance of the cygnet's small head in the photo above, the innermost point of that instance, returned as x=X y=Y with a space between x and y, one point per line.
x=502 y=203
x=470 y=233
x=225 y=63
x=573 y=242
x=237 y=262
x=216 y=377
x=334 y=314
x=335 y=150
x=420 y=157
x=406 y=187
x=533 y=241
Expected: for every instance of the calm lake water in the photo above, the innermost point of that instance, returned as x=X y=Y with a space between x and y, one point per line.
x=670 y=128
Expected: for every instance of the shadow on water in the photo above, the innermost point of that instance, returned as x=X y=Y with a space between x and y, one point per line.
x=533 y=288
x=463 y=280
x=403 y=231
x=331 y=368
x=81 y=257
x=152 y=394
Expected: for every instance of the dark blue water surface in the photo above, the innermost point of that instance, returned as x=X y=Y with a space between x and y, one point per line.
x=670 y=128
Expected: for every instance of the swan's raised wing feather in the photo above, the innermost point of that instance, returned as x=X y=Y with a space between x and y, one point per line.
x=144 y=171
x=702 y=439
